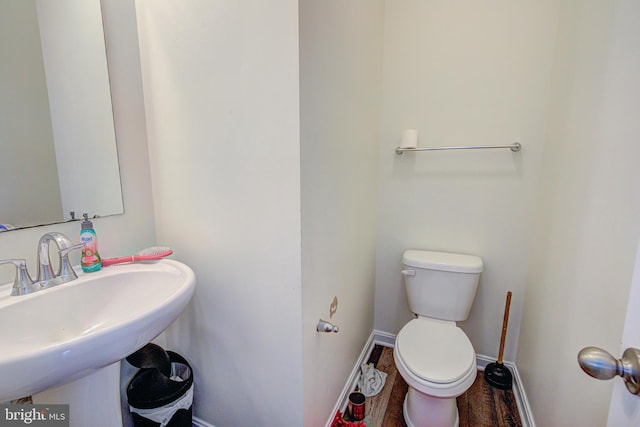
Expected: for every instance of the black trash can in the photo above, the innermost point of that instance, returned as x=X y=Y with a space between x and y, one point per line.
x=157 y=400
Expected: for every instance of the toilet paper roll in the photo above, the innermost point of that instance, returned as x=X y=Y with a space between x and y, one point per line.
x=409 y=139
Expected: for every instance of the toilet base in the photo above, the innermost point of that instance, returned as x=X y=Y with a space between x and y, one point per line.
x=420 y=410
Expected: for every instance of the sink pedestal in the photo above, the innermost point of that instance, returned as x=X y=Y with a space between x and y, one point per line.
x=93 y=400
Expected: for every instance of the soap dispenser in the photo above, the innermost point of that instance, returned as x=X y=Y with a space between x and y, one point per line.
x=90 y=260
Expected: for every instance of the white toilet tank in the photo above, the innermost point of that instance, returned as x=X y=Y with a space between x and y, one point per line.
x=441 y=285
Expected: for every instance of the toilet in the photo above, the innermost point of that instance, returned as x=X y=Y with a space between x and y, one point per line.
x=433 y=355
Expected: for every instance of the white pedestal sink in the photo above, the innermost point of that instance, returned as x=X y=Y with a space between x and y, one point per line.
x=64 y=344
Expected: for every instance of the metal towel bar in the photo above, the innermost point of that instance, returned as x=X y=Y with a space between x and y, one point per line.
x=516 y=146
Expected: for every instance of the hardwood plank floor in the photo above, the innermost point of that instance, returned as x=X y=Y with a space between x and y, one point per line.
x=480 y=406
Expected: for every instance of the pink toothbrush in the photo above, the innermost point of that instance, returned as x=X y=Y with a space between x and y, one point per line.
x=149 y=254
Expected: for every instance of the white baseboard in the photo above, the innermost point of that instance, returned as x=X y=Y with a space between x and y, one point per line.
x=341 y=404
x=483 y=361
x=197 y=422
x=388 y=340
x=384 y=338
x=526 y=416
x=376 y=337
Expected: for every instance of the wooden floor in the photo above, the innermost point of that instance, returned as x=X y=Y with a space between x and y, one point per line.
x=480 y=406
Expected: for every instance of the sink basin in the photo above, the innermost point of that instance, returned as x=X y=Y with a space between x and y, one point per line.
x=62 y=334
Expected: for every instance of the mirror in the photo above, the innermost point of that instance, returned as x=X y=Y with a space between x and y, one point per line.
x=57 y=137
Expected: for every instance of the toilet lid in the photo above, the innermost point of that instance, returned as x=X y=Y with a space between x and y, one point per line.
x=435 y=351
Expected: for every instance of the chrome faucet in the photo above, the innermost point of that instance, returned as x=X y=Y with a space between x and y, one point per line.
x=65 y=271
x=23 y=283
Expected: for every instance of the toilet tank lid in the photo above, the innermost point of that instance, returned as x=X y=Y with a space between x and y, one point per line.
x=442 y=261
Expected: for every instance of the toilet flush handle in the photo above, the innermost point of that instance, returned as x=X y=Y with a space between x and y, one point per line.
x=409 y=272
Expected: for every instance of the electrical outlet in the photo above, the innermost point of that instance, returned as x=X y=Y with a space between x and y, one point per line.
x=333 y=307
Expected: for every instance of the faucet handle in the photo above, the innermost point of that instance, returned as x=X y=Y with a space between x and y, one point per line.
x=22 y=284
x=65 y=270
x=45 y=271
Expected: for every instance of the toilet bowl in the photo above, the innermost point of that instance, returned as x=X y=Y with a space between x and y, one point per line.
x=437 y=361
x=432 y=354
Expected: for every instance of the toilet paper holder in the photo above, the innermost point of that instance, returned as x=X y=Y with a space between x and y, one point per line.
x=324 y=326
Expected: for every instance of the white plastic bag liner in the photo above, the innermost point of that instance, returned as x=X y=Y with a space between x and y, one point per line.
x=371 y=380
x=164 y=413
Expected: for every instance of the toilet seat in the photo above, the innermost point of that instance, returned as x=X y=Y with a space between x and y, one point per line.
x=435 y=357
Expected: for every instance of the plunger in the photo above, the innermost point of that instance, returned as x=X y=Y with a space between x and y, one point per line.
x=496 y=374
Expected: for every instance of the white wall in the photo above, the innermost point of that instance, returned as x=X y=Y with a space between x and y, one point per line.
x=222 y=101
x=134 y=230
x=462 y=73
x=340 y=63
x=25 y=124
x=588 y=220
